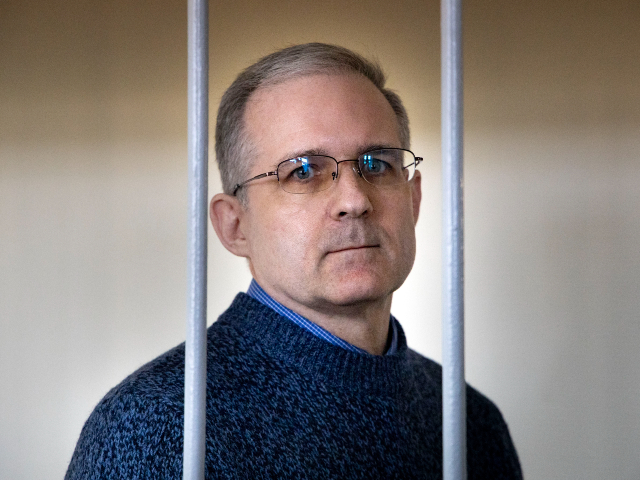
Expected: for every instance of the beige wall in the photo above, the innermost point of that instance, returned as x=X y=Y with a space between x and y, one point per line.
x=93 y=211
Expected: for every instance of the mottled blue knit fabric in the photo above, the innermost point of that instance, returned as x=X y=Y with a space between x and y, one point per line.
x=285 y=404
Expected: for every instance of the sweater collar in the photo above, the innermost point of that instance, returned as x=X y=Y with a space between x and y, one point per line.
x=297 y=348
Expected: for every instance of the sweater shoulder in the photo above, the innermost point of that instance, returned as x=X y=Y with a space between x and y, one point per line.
x=136 y=429
x=490 y=449
x=162 y=379
x=479 y=407
x=159 y=379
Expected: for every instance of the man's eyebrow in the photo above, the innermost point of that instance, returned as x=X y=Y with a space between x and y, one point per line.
x=304 y=153
x=320 y=151
x=377 y=146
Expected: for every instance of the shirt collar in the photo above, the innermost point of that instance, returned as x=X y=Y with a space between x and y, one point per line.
x=256 y=292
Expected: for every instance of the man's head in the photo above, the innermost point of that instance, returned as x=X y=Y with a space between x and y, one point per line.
x=233 y=145
x=346 y=247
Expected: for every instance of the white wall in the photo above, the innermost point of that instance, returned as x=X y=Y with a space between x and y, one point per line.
x=93 y=207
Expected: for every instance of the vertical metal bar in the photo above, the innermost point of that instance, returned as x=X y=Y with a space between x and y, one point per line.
x=453 y=383
x=198 y=144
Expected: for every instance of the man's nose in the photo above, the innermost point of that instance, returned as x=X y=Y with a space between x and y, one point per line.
x=355 y=166
x=351 y=192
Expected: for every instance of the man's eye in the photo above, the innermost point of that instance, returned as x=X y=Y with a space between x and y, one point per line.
x=304 y=172
x=375 y=165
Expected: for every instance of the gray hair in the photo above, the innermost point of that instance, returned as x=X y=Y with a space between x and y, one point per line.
x=233 y=146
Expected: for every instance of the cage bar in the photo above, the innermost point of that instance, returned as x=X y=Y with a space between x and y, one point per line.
x=453 y=383
x=198 y=145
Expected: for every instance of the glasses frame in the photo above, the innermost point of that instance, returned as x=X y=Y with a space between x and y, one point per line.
x=415 y=163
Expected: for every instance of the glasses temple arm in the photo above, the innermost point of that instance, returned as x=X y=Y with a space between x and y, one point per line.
x=262 y=175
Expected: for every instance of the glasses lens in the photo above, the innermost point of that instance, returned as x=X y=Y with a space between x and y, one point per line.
x=306 y=174
x=390 y=166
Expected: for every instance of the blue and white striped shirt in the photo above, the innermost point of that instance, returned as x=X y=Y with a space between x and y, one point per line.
x=256 y=292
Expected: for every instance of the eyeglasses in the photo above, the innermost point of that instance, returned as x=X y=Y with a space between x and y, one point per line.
x=314 y=173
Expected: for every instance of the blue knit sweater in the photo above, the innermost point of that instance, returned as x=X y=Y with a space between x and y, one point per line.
x=285 y=404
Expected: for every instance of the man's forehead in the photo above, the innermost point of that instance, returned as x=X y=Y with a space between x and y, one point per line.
x=305 y=87
x=304 y=114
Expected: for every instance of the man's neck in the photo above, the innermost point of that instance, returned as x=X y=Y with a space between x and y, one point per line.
x=364 y=325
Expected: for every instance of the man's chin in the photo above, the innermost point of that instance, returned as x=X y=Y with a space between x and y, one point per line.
x=358 y=292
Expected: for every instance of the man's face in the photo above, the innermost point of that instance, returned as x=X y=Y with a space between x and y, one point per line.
x=351 y=244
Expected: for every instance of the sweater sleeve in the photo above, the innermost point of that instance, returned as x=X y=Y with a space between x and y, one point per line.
x=130 y=436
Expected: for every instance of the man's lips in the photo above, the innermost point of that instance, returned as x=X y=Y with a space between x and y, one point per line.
x=352 y=247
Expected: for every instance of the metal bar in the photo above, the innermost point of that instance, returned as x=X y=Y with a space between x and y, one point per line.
x=453 y=383
x=195 y=383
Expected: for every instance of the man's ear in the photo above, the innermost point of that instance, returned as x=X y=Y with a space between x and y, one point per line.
x=226 y=215
x=416 y=195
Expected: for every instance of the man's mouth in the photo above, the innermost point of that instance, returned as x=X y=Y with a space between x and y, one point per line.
x=358 y=237
x=353 y=247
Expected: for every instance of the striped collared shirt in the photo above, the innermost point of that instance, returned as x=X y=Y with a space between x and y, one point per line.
x=256 y=292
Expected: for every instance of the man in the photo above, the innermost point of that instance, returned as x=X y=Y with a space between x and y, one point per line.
x=309 y=376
